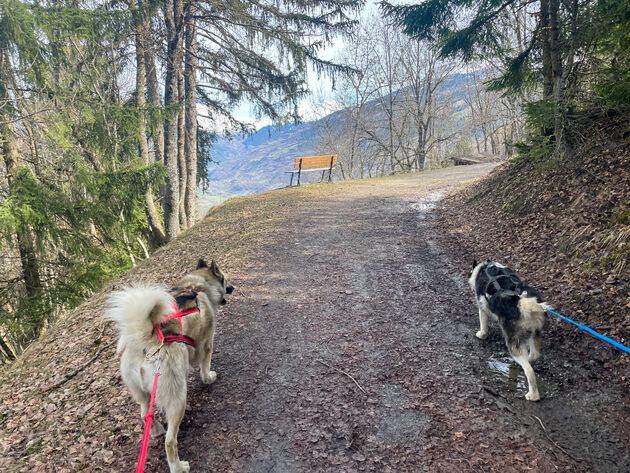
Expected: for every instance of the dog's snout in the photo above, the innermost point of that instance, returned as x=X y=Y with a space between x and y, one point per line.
x=223 y=301
x=229 y=289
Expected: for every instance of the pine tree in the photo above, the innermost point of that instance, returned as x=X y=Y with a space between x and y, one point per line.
x=235 y=51
x=75 y=186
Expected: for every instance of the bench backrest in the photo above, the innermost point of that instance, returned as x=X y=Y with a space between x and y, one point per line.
x=316 y=161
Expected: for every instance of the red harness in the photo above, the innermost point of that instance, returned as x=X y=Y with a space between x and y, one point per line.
x=175 y=338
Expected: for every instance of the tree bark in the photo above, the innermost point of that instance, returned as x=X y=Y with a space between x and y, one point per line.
x=173 y=17
x=555 y=47
x=181 y=157
x=153 y=93
x=556 y=70
x=545 y=35
x=190 y=144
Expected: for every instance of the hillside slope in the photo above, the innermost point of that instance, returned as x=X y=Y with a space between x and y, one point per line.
x=63 y=405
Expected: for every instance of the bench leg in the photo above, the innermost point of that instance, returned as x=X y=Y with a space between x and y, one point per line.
x=323 y=172
x=330 y=169
x=299 y=174
x=291 y=183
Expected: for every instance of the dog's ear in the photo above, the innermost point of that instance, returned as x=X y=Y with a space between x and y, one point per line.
x=214 y=269
x=202 y=264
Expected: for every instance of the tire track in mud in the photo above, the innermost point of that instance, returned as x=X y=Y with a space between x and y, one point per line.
x=356 y=281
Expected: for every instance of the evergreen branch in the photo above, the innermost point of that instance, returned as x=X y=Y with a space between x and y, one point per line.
x=24 y=117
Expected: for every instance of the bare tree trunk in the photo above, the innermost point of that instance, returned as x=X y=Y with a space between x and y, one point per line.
x=181 y=157
x=173 y=17
x=157 y=231
x=190 y=79
x=153 y=94
x=547 y=68
x=556 y=67
x=554 y=43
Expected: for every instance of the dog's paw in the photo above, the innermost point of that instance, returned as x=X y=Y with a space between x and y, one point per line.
x=481 y=335
x=157 y=429
x=179 y=467
x=209 y=378
x=532 y=396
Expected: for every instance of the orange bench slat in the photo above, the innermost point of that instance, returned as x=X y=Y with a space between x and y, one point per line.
x=315 y=161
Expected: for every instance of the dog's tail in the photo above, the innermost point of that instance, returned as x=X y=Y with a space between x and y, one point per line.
x=546 y=305
x=532 y=311
x=136 y=309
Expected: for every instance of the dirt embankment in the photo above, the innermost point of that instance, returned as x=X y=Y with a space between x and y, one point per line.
x=348 y=345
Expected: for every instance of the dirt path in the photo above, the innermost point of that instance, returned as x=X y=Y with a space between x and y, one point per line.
x=349 y=346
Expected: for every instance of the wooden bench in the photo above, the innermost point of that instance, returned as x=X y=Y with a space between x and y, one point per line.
x=313 y=163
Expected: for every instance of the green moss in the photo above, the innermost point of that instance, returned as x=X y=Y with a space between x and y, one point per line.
x=620 y=216
x=34 y=448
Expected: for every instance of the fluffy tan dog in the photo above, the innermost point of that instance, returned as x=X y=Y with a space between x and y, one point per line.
x=136 y=310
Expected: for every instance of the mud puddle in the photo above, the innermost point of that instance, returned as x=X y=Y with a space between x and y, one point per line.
x=427 y=204
x=507 y=372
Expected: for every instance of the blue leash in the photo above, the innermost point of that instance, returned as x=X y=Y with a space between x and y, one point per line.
x=592 y=332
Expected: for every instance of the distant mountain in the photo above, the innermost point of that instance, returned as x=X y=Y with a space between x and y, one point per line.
x=257 y=162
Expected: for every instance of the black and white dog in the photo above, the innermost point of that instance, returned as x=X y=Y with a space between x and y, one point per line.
x=518 y=309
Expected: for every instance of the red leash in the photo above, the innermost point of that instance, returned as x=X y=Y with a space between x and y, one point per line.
x=148 y=419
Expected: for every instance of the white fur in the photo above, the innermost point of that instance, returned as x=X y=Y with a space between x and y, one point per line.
x=532 y=393
x=473 y=276
x=484 y=311
x=130 y=309
x=532 y=313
